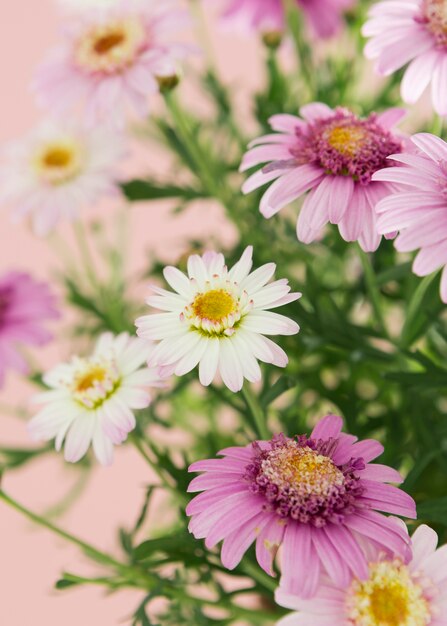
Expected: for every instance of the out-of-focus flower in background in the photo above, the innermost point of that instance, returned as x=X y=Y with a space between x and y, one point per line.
x=25 y=306
x=417 y=208
x=58 y=170
x=413 y=31
x=317 y=497
x=91 y=399
x=112 y=59
x=325 y=17
x=394 y=592
x=333 y=154
x=217 y=319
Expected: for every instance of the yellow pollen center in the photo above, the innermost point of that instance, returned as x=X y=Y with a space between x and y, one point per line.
x=347 y=140
x=104 y=44
x=436 y=14
x=214 y=305
x=59 y=161
x=90 y=378
x=303 y=469
x=391 y=597
x=111 y=47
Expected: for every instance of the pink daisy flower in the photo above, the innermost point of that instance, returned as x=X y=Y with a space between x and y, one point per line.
x=57 y=171
x=393 y=594
x=25 y=305
x=333 y=154
x=323 y=16
x=112 y=58
x=217 y=319
x=418 y=208
x=317 y=496
x=92 y=399
x=412 y=31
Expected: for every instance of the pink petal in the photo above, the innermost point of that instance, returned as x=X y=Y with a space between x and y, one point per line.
x=328 y=427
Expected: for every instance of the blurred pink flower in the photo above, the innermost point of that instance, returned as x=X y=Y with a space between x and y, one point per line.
x=394 y=593
x=58 y=170
x=217 y=319
x=25 y=305
x=91 y=400
x=318 y=497
x=418 y=205
x=111 y=59
x=323 y=16
x=411 y=31
x=332 y=153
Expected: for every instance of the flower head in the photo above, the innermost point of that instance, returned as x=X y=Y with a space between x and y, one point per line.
x=317 y=496
x=25 y=305
x=323 y=16
x=413 y=32
x=333 y=154
x=112 y=59
x=58 y=170
x=92 y=398
x=217 y=319
x=394 y=593
x=417 y=207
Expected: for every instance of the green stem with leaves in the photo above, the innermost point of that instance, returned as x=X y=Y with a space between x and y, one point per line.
x=256 y=411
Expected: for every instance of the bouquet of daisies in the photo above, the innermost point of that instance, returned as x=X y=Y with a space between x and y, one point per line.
x=291 y=361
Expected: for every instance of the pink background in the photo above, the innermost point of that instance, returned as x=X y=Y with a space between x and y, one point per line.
x=31 y=558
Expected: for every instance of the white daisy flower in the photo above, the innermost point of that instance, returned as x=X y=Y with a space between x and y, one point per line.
x=217 y=319
x=92 y=398
x=56 y=171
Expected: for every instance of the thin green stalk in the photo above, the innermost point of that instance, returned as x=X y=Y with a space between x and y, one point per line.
x=373 y=290
x=256 y=411
x=303 y=50
x=151 y=461
x=99 y=556
x=84 y=249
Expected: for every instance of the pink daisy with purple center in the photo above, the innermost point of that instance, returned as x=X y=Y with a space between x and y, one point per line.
x=325 y=17
x=393 y=594
x=332 y=154
x=25 y=306
x=316 y=496
x=418 y=206
x=415 y=32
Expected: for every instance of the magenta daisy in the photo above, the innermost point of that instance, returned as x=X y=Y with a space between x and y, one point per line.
x=317 y=496
x=25 y=306
x=57 y=171
x=325 y=17
x=418 y=206
x=394 y=593
x=412 y=31
x=92 y=399
x=112 y=59
x=217 y=319
x=333 y=154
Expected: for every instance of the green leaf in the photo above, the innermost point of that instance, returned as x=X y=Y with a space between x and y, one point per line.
x=422 y=309
x=136 y=190
x=434 y=511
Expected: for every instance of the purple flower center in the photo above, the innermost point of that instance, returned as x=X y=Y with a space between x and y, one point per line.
x=434 y=18
x=299 y=479
x=5 y=299
x=345 y=145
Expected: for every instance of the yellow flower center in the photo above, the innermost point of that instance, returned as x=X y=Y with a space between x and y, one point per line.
x=435 y=13
x=96 y=374
x=214 y=305
x=390 y=597
x=58 y=162
x=306 y=471
x=94 y=380
x=347 y=140
x=111 y=47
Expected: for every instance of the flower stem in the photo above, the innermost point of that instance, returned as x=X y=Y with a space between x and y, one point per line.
x=373 y=291
x=256 y=411
x=84 y=249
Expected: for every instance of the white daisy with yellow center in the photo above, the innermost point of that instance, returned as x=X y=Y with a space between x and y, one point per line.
x=394 y=593
x=217 y=319
x=57 y=171
x=91 y=399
